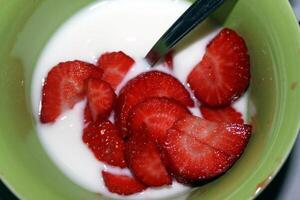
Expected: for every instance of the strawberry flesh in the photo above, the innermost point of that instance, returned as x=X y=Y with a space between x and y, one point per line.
x=122 y=184
x=155 y=116
x=115 y=66
x=144 y=161
x=101 y=98
x=65 y=85
x=230 y=138
x=224 y=114
x=223 y=74
x=199 y=149
x=146 y=85
x=103 y=140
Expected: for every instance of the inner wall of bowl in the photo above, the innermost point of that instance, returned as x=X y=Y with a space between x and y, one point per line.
x=28 y=26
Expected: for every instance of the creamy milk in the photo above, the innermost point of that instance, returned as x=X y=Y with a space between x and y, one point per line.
x=132 y=26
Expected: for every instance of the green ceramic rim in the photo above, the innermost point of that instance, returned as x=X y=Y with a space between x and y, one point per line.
x=273 y=38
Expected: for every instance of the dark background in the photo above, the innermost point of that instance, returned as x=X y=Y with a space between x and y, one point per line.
x=285 y=186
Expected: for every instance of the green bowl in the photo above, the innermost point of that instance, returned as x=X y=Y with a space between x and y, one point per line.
x=273 y=37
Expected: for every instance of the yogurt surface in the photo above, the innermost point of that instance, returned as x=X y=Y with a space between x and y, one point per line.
x=132 y=26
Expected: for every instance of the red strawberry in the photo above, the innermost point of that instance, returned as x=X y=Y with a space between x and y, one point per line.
x=144 y=161
x=226 y=114
x=169 y=59
x=230 y=138
x=104 y=141
x=149 y=84
x=101 y=98
x=199 y=149
x=156 y=115
x=122 y=184
x=64 y=87
x=115 y=66
x=224 y=72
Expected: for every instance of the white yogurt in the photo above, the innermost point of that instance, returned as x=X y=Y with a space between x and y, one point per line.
x=131 y=26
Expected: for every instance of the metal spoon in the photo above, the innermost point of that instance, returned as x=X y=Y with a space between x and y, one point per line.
x=195 y=14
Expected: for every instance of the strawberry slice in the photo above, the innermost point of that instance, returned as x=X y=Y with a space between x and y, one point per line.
x=144 y=161
x=101 y=98
x=64 y=87
x=104 y=141
x=115 y=66
x=122 y=184
x=224 y=72
x=230 y=138
x=156 y=115
x=169 y=59
x=146 y=85
x=198 y=149
x=225 y=114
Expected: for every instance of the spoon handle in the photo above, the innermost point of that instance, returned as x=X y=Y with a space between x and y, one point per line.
x=195 y=14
